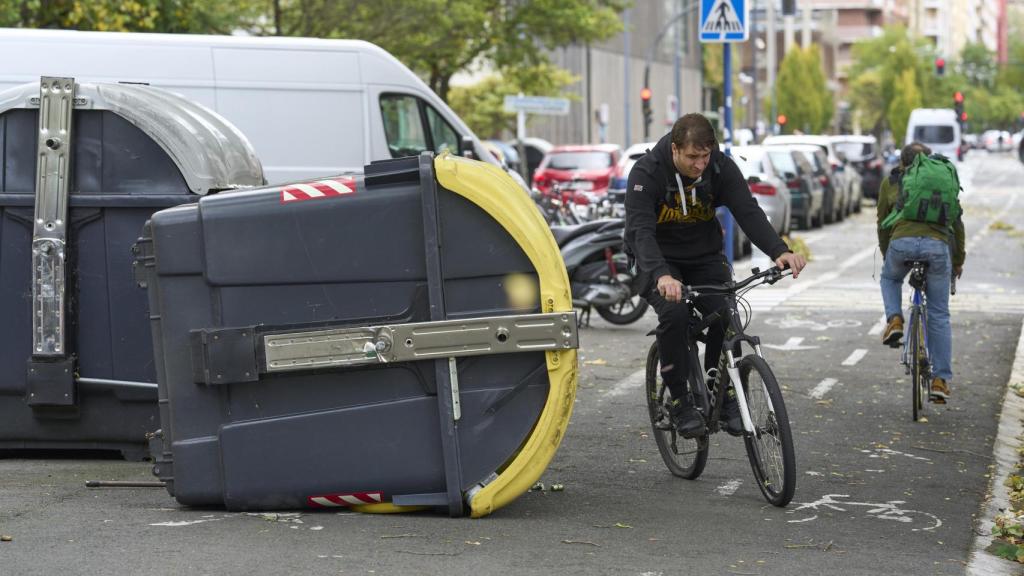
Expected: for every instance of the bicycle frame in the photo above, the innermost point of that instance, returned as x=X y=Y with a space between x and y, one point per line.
x=918 y=303
x=734 y=338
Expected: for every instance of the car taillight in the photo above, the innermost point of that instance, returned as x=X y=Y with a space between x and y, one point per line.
x=763 y=189
x=793 y=184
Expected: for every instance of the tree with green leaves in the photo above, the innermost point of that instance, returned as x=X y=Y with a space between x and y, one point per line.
x=482 y=105
x=906 y=100
x=801 y=93
x=185 y=16
x=439 y=38
x=878 y=65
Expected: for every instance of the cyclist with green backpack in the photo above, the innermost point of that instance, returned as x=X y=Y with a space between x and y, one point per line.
x=919 y=218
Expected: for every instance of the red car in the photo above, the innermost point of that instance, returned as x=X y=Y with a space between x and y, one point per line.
x=587 y=168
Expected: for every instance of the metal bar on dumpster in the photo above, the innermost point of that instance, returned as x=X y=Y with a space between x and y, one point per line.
x=125 y=384
x=340 y=347
x=445 y=373
x=49 y=234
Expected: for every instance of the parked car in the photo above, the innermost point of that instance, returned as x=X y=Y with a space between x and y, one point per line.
x=617 y=189
x=534 y=149
x=847 y=182
x=862 y=155
x=509 y=154
x=766 y=184
x=585 y=168
x=806 y=192
x=997 y=140
x=832 y=206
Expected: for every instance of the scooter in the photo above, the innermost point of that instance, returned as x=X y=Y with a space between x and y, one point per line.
x=599 y=271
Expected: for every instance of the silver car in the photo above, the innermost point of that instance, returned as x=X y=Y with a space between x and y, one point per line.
x=767 y=187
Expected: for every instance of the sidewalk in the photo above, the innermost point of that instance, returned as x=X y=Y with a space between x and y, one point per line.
x=1005 y=456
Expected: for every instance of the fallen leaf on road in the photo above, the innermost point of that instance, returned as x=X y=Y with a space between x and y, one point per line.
x=621 y=525
x=6 y=538
x=581 y=542
x=597 y=362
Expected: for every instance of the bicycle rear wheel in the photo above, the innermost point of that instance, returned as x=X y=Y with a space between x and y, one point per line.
x=770 y=446
x=684 y=457
x=915 y=351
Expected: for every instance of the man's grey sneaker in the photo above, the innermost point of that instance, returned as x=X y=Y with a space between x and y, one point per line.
x=893 y=331
x=687 y=420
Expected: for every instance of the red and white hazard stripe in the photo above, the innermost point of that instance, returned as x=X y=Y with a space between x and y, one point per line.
x=344 y=500
x=318 y=189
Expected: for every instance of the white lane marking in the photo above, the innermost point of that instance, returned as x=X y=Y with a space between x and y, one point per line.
x=885 y=452
x=857 y=356
x=627 y=384
x=729 y=488
x=822 y=388
x=184 y=522
x=877 y=328
x=791 y=344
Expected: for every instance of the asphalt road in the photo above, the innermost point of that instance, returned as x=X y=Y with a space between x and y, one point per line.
x=876 y=493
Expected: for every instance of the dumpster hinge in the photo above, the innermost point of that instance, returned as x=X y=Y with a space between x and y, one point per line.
x=49 y=231
x=144 y=260
x=224 y=355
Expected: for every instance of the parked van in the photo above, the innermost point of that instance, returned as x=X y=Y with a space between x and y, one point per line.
x=936 y=128
x=310 y=107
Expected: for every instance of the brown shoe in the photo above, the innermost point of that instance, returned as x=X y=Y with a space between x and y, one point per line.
x=940 y=391
x=893 y=331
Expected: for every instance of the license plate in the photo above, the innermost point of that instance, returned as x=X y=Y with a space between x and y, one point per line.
x=581 y=185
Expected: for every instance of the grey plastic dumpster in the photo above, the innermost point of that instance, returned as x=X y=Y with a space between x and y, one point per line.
x=401 y=341
x=76 y=185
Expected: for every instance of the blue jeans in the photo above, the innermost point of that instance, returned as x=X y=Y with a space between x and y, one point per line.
x=936 y=253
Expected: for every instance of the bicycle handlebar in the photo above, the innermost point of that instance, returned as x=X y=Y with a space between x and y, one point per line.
x=769 y=276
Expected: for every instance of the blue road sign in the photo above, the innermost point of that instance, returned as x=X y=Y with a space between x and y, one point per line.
x=724 y=20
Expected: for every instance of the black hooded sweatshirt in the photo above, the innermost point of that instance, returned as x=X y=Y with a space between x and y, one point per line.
x=663 y=226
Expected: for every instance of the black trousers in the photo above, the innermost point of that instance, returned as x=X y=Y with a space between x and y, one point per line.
x=674 y=317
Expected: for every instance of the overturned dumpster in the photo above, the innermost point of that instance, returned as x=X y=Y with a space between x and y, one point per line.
x=401 y=341
x=82 y=167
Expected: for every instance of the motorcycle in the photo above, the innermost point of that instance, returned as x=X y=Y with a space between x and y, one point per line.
x=599 y=271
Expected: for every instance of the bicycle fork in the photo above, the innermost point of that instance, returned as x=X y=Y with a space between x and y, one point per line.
x=737 y=386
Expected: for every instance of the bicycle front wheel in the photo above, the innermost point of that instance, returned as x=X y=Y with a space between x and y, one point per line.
x=770 y=445
x=684 y=457
x=916 y=353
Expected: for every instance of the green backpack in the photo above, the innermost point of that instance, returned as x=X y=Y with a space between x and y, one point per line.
x=929 y=190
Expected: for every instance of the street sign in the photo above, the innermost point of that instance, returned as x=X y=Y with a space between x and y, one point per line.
x=724 y=20
x=537 y=105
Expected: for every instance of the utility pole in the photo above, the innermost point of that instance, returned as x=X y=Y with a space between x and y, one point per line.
x=805 y=29
x=772 y=60
x=753 y=60
x=788 y=12
x=628 y=137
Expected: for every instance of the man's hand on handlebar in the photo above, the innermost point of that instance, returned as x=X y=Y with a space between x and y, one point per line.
x=670 y=288
x=795 y=262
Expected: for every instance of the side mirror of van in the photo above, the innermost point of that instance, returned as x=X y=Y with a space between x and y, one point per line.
x=467 y=148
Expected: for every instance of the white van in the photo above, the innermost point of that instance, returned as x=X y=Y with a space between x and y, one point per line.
x=309 y=107
x=936 y=128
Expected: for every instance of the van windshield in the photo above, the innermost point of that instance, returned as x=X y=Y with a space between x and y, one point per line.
x=934 y=134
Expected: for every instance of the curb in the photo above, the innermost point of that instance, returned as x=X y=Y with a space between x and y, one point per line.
x=1005 y=457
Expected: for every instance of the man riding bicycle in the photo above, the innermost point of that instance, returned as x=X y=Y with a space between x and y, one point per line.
x=931 y=242
x=672 y=231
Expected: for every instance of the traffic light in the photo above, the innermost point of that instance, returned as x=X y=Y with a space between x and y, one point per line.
x=645 y=101
x=781 y=120
x=940 y=66
x=958 y=106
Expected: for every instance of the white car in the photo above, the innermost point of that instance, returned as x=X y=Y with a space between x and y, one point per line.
x=767 y=187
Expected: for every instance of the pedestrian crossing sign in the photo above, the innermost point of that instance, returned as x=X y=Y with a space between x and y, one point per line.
x=724 y=20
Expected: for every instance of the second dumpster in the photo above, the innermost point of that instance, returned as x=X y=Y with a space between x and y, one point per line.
x=402 y=341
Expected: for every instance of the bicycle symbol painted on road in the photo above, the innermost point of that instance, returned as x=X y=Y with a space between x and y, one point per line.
x=790 y=323
x=885 y=511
